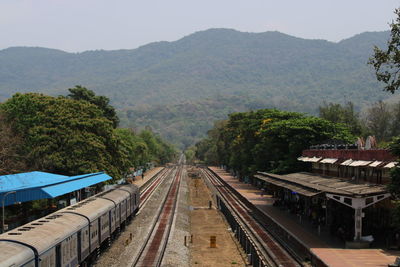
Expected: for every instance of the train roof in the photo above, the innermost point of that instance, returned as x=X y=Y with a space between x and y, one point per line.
x=13 y=254
x=48 y=231
x=130 y=187
x=92 y=207
x=115 y=195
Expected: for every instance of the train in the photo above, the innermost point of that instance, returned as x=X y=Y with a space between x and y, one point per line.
x=73 y=235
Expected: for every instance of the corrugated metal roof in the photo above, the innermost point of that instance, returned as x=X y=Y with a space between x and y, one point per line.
x=311 y=181
x=347 y=162
x=61 y=189
x=328 y=160
x=28 y=180
x=314 y=159
x=390 y=165
x=38 y=185
x=375 y=164
x=359 y=163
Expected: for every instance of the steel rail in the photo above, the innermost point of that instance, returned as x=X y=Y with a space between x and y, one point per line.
x=273 y=249
x=146 y=193
x=152 y=250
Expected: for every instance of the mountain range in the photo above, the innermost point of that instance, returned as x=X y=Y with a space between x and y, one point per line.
x=202 y=77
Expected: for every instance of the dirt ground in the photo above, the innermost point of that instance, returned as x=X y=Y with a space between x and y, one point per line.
x=207 y=222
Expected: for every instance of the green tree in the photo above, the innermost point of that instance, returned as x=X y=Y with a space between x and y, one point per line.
x=378 y=120
x=63 y=135
x=102 y=102
x=345 y=114
x=266 y=139
x=133 y=147
x=10 y=160
x=387 y=62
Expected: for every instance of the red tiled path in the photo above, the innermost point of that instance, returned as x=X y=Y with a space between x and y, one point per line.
x=334 y=257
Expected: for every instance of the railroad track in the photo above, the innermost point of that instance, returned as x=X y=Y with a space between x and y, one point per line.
x=269 y=251
x=147 y=189
x=152 y=251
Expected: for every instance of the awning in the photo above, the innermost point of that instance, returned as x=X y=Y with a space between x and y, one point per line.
x=36 y=185
x=302 y=158
x=347 y=162
x=328 y=160
x=294 y=188
x=313 y=159
x=375 y=164
x=390 y=165
x=309 y=184
x=359 y=163
x=85 y=181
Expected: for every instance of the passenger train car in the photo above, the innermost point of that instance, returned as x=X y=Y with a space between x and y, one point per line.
x=70 y=236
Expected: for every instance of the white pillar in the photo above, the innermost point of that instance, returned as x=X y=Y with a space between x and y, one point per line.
x=357 y=224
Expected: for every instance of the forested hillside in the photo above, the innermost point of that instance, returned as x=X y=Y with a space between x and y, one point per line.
x=271 y=68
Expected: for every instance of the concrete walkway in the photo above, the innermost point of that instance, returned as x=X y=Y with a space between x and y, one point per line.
x=147 y=175
x=323 y=246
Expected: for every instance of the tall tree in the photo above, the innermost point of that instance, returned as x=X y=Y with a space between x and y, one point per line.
x=345 y=114
x=63 y=135
x=10 y=160
x=387 y=62
x=102 y=102
x=379 y=120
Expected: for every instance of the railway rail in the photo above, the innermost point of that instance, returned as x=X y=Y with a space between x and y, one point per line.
x=152 y=251
x=262 y=248
x=148 y=188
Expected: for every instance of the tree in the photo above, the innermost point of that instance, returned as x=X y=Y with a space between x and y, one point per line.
x=63 y=135
x=266 y=140
x=134 y=148
x=345 y=114
x=387 y=62
x=10 y=160
x=102 y=102
x=379 y=119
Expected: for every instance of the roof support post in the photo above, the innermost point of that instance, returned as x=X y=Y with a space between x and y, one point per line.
x=358 y=204
x=3 y=204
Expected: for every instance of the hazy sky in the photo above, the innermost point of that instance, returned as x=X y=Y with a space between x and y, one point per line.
x=78 y=25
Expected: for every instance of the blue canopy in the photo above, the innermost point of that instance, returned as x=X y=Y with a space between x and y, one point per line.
x=38 y=185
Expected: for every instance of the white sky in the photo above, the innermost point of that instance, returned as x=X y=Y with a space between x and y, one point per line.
x=79 y=25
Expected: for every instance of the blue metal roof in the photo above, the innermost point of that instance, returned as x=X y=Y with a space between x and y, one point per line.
x=38 y=185
x=19 y=181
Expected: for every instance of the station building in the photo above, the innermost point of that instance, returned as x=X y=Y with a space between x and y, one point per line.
x=344 y=192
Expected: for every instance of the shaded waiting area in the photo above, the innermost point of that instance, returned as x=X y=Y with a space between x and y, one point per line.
x=300 y=235
x=30 y=186
x=312 y=195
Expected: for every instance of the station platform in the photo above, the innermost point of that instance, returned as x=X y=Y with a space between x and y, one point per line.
x=139 y=181
x=321 y=244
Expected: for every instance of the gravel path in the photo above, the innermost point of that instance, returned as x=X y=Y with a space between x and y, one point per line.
x=177 y=254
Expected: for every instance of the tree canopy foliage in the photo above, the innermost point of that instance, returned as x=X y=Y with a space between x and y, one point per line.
x=73 y=135
x=102 y=102
x=387 y=62
x=266 y=139
x=345 y=114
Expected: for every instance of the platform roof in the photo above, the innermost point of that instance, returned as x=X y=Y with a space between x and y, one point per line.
x=315 y=183
x=39 y=185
